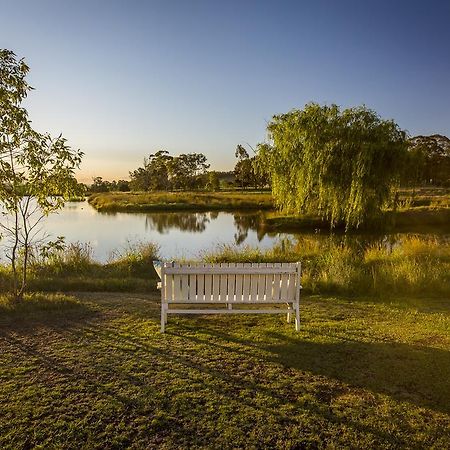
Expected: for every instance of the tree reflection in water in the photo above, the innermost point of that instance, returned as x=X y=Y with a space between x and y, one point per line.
x=192 y=222
x=245 y=222
x=197 y=223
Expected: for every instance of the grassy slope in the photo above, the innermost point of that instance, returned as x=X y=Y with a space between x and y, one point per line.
x=179 y=201
x=359 y=374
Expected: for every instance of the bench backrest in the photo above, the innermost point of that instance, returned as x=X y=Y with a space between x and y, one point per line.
x=230 y=282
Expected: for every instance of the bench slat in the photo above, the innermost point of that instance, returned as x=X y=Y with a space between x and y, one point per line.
x=284 y=286
x=216 y=286
x=246 y=286
x=261 y=284
x=223 y=284
x=239 y=284
x=231 y=287
x=230 y=311
x=276 y=283
x=254 y=283
x=201 y=286
x=292 y=285
x=185 y=286
x=208 y=284
x=176 y=283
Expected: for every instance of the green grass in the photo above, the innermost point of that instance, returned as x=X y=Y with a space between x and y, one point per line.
x=359 y=374
x=180 y=201
x=425 y=196
x=38 y=306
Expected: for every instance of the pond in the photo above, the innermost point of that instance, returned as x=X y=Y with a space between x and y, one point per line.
x=178 y=234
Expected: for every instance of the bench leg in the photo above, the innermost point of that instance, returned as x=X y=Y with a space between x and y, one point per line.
x=230 y=306
x=163 y=318
x=297 y=316
x=288 y=319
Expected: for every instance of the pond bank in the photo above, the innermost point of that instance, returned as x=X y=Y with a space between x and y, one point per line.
x=181 y=201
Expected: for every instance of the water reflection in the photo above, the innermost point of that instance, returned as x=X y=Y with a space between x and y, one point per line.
x=245 y=222
x=190 y=222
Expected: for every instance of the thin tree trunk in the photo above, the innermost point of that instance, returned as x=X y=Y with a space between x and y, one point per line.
x=26 y=235
x=14 y=257
x=16 y=236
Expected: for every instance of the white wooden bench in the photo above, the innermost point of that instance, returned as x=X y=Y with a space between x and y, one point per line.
x=229 y=284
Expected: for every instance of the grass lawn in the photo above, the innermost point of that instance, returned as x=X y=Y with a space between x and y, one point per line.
x=94 y=372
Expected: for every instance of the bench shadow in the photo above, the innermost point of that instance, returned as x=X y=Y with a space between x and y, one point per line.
x=412 y=373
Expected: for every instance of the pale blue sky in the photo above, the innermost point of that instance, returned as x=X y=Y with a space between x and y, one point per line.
x=121 y=79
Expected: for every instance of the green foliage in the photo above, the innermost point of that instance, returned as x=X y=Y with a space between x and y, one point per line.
x=162 y=171
x=342 y=165
x=180 y=201
x=213 y=183
x=36 y=170
x=136 y=258
x=249 y=171
x=101 y=185
x=243 y=173
x=429 y=160
x=72 y=267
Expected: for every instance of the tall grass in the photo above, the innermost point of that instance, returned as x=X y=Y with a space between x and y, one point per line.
x=73 y=268
x=414 y=266
x=73 y=258
x=135 y=257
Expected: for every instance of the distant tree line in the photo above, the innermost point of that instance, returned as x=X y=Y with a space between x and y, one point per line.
x=164 y=172
x=342 y=164
x=101 y=185
x=429 y=161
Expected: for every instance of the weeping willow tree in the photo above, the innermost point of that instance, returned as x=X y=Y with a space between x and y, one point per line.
x=342 y=165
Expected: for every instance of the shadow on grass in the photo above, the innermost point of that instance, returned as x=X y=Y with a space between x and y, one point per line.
x=195 y=364
x=411 y=373
x=181 y=368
